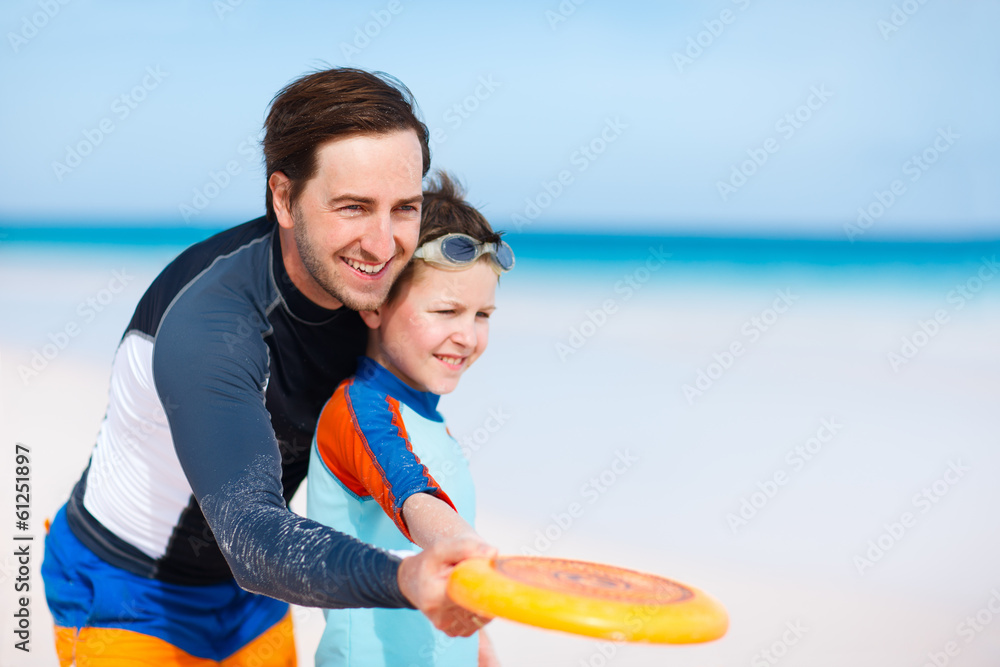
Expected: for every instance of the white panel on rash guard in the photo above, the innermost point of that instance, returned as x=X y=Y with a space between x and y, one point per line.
x=136 y=487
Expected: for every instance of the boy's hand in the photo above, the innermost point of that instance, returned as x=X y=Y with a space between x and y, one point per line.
x=423 y=579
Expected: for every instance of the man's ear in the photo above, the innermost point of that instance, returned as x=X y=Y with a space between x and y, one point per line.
x=373 y=318
x=281 y=187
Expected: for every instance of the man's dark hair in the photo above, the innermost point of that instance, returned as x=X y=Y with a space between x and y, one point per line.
x=445 y=211
x=333 y=104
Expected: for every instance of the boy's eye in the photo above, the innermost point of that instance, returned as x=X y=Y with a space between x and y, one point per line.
x=482 y=314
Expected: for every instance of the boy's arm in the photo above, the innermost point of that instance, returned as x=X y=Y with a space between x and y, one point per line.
x=431 y=520
x=362 y=441
x=487 y=655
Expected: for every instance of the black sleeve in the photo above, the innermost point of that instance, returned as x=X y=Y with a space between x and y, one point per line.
x=226 y=446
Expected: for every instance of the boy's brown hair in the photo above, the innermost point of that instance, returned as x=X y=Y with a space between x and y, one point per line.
x=445 y=211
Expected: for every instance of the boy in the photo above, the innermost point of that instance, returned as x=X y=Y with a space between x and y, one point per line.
x=384 y=468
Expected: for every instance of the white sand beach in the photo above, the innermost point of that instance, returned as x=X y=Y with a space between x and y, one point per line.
x=782 y=489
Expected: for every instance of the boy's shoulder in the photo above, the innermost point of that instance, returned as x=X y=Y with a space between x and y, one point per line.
x=363 y=407
x=373 y=394
x=358 y=401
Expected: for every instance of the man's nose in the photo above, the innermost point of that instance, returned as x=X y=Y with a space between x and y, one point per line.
x=378 y=240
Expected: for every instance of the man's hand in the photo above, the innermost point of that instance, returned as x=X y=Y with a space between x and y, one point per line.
x=423 y=579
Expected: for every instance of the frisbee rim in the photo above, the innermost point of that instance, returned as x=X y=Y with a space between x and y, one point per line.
x=479 y=586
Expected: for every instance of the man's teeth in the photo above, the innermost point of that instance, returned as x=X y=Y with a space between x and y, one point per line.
x=367 y=268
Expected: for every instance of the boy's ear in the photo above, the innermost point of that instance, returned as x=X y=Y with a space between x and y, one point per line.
x=371 y=317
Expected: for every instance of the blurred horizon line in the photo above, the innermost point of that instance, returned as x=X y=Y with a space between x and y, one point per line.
x=585 y=245
x=141 y=230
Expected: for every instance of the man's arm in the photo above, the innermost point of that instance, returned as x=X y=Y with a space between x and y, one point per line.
x=424 y=577
x=212 y=384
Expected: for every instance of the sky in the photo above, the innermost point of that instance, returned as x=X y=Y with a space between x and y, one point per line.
x=864 y=120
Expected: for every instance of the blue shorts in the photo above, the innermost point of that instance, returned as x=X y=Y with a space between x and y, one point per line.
x=212 y=622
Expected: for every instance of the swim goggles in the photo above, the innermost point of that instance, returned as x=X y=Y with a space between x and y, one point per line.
x=457 y=251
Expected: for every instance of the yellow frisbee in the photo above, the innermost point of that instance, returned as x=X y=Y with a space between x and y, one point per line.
x=588 y=599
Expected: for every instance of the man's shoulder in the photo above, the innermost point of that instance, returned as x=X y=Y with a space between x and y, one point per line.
x=240 y=255
x=231 y=239
x=196 y=259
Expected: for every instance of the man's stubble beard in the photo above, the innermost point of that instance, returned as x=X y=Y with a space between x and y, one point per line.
x=328 y=280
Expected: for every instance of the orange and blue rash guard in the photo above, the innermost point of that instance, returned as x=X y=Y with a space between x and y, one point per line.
x=363 y=441
x=378 y=442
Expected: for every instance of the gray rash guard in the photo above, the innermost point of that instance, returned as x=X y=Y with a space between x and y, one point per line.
x=215 y=391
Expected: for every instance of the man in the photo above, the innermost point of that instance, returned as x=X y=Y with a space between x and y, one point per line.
x=176 y=545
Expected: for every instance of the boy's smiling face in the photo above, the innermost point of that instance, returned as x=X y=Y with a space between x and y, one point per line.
x=435 y=327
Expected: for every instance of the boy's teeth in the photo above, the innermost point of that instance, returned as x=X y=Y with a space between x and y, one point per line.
x=452 y=360
x=367 y=268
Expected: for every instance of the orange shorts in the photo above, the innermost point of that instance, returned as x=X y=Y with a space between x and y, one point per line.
x=113 y=647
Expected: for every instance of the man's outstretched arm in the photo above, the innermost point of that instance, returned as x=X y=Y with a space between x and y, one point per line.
x=225 y=444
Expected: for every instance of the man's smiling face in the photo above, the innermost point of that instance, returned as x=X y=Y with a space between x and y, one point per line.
x=356 y=222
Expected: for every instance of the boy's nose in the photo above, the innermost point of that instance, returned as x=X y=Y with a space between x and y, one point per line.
x=465 y=334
